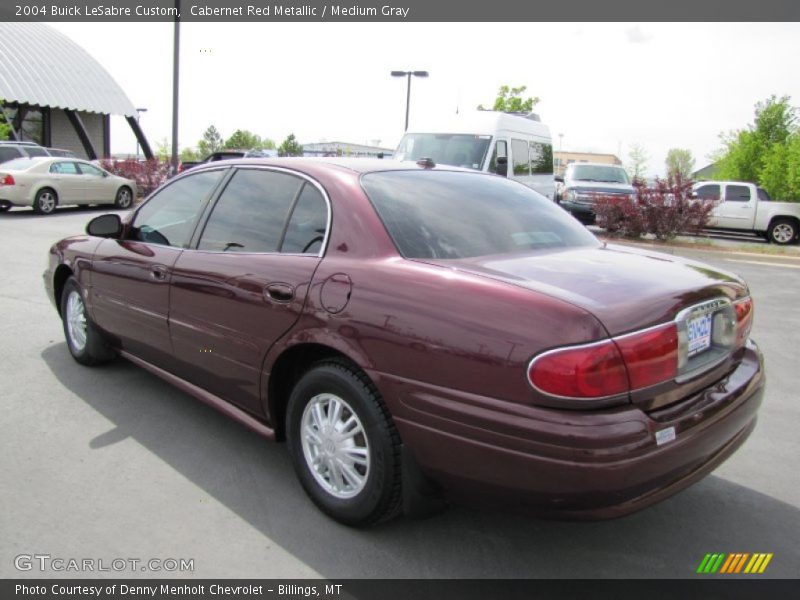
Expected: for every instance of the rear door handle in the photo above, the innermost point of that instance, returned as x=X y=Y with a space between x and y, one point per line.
x=158 y=273
x=279 y=292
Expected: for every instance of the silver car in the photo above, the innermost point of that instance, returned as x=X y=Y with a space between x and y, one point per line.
x=46 y=182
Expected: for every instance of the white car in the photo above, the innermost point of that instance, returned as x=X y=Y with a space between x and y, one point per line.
x=46 y=182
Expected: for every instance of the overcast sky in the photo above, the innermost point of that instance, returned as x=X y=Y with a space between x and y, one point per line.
x=604 y=86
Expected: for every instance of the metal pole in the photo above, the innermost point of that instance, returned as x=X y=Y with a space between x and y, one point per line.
x=176 y=53
x=408 y=98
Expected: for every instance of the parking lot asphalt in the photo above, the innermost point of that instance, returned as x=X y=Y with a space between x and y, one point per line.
x=112 y=462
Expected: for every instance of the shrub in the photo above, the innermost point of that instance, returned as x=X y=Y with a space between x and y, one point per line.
x=664 y=210
x=148 y=174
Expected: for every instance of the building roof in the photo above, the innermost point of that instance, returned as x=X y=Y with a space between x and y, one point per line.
x=42 y=66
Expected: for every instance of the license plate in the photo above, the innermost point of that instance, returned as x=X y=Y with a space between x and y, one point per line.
x=699 y=329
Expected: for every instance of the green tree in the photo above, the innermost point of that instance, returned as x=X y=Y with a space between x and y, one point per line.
x=163 y=149
x=637 y=162
x=190 y=155
x=767 y=152
x=243 y=139
x=5 y=128
x=680 y=163
x=211 y=142
x=510 y=100
x=290 y=147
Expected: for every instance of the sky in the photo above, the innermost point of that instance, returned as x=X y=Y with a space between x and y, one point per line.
x=603 y=87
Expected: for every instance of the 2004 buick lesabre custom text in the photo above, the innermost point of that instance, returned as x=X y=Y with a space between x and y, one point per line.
x=413 y=331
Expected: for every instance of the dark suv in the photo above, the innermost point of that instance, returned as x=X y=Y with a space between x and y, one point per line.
x=11 y=150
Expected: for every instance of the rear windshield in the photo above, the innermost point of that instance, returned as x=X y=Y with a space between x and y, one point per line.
x=450 y=215
x=18 y=164
x=599 y=173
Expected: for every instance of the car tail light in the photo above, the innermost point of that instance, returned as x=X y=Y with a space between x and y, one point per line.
x=7 y=180
x=699 y=338
x=651 y=355
x=590 y=371
x=744 y=319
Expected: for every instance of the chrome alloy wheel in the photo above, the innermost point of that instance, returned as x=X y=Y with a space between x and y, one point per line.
x=76 y=321
x=783 y=233
x=46 y=201
x=335 y=446
x=124 y=198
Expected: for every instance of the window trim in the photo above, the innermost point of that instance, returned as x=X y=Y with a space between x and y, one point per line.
x=194 y=240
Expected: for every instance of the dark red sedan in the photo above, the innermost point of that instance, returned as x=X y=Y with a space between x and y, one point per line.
x=414 y=331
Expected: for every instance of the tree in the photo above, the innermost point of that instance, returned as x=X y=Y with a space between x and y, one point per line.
x=767 y=152
x=243 y=139
x=163 y=149
x=680 y=163
x=290 y=147
x=510 y=100
x=637 y=162
x=211 y=142
x=5 y=128
x=190 y=155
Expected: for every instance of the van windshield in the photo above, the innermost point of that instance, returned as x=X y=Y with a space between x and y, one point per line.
x=457 y=150
x=600 y=173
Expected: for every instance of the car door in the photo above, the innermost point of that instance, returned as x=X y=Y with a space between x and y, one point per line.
x=130 y=276
x=737 y=210
x=711 y=193
x=65 y=178
x=98 y=187
x=245 y=282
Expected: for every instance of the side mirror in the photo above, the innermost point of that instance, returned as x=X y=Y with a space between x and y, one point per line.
x=502 y=166
x=107 y=226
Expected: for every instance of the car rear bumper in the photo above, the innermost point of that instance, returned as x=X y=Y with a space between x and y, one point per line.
x=592 y=464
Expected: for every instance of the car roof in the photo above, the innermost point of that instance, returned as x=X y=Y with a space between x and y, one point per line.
x=356 y=165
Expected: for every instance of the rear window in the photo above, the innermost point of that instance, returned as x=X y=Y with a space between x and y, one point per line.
x=7 y=153
x=448 y=215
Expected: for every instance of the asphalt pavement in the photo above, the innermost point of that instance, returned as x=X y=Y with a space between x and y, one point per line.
x=113 y=463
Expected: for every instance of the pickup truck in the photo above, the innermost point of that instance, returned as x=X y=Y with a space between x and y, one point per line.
x=745 y=207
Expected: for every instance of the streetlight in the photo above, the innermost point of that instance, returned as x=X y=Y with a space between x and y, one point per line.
x=407 y=75
x=139 y=112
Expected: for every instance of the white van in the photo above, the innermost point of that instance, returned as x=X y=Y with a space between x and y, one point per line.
x=514 y=145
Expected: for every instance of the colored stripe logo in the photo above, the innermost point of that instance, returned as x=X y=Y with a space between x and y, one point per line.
x=740 y=562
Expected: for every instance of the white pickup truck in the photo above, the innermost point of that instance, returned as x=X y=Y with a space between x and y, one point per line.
x=745 y=207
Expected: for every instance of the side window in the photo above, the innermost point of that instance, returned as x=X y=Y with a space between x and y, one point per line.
x=64 y=168
x=737 y=193
x=90 y=170
x=519 y=152
x=168 y=217
x=541 y=158
x=306 y=230
x=251 y=213
x=709 y=192
x=763 y=196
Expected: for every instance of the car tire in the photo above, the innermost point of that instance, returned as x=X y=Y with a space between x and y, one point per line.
x=344 y=445
x=85 y=342
x=782 y=231
x=4 y=209
x=46 y=201
x=124 y=198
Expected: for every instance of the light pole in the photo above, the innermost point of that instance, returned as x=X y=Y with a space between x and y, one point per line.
x=407 y=75
x=139 y=112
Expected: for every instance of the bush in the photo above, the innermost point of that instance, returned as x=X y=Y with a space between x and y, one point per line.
x=663 y=210
x=148 y=174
